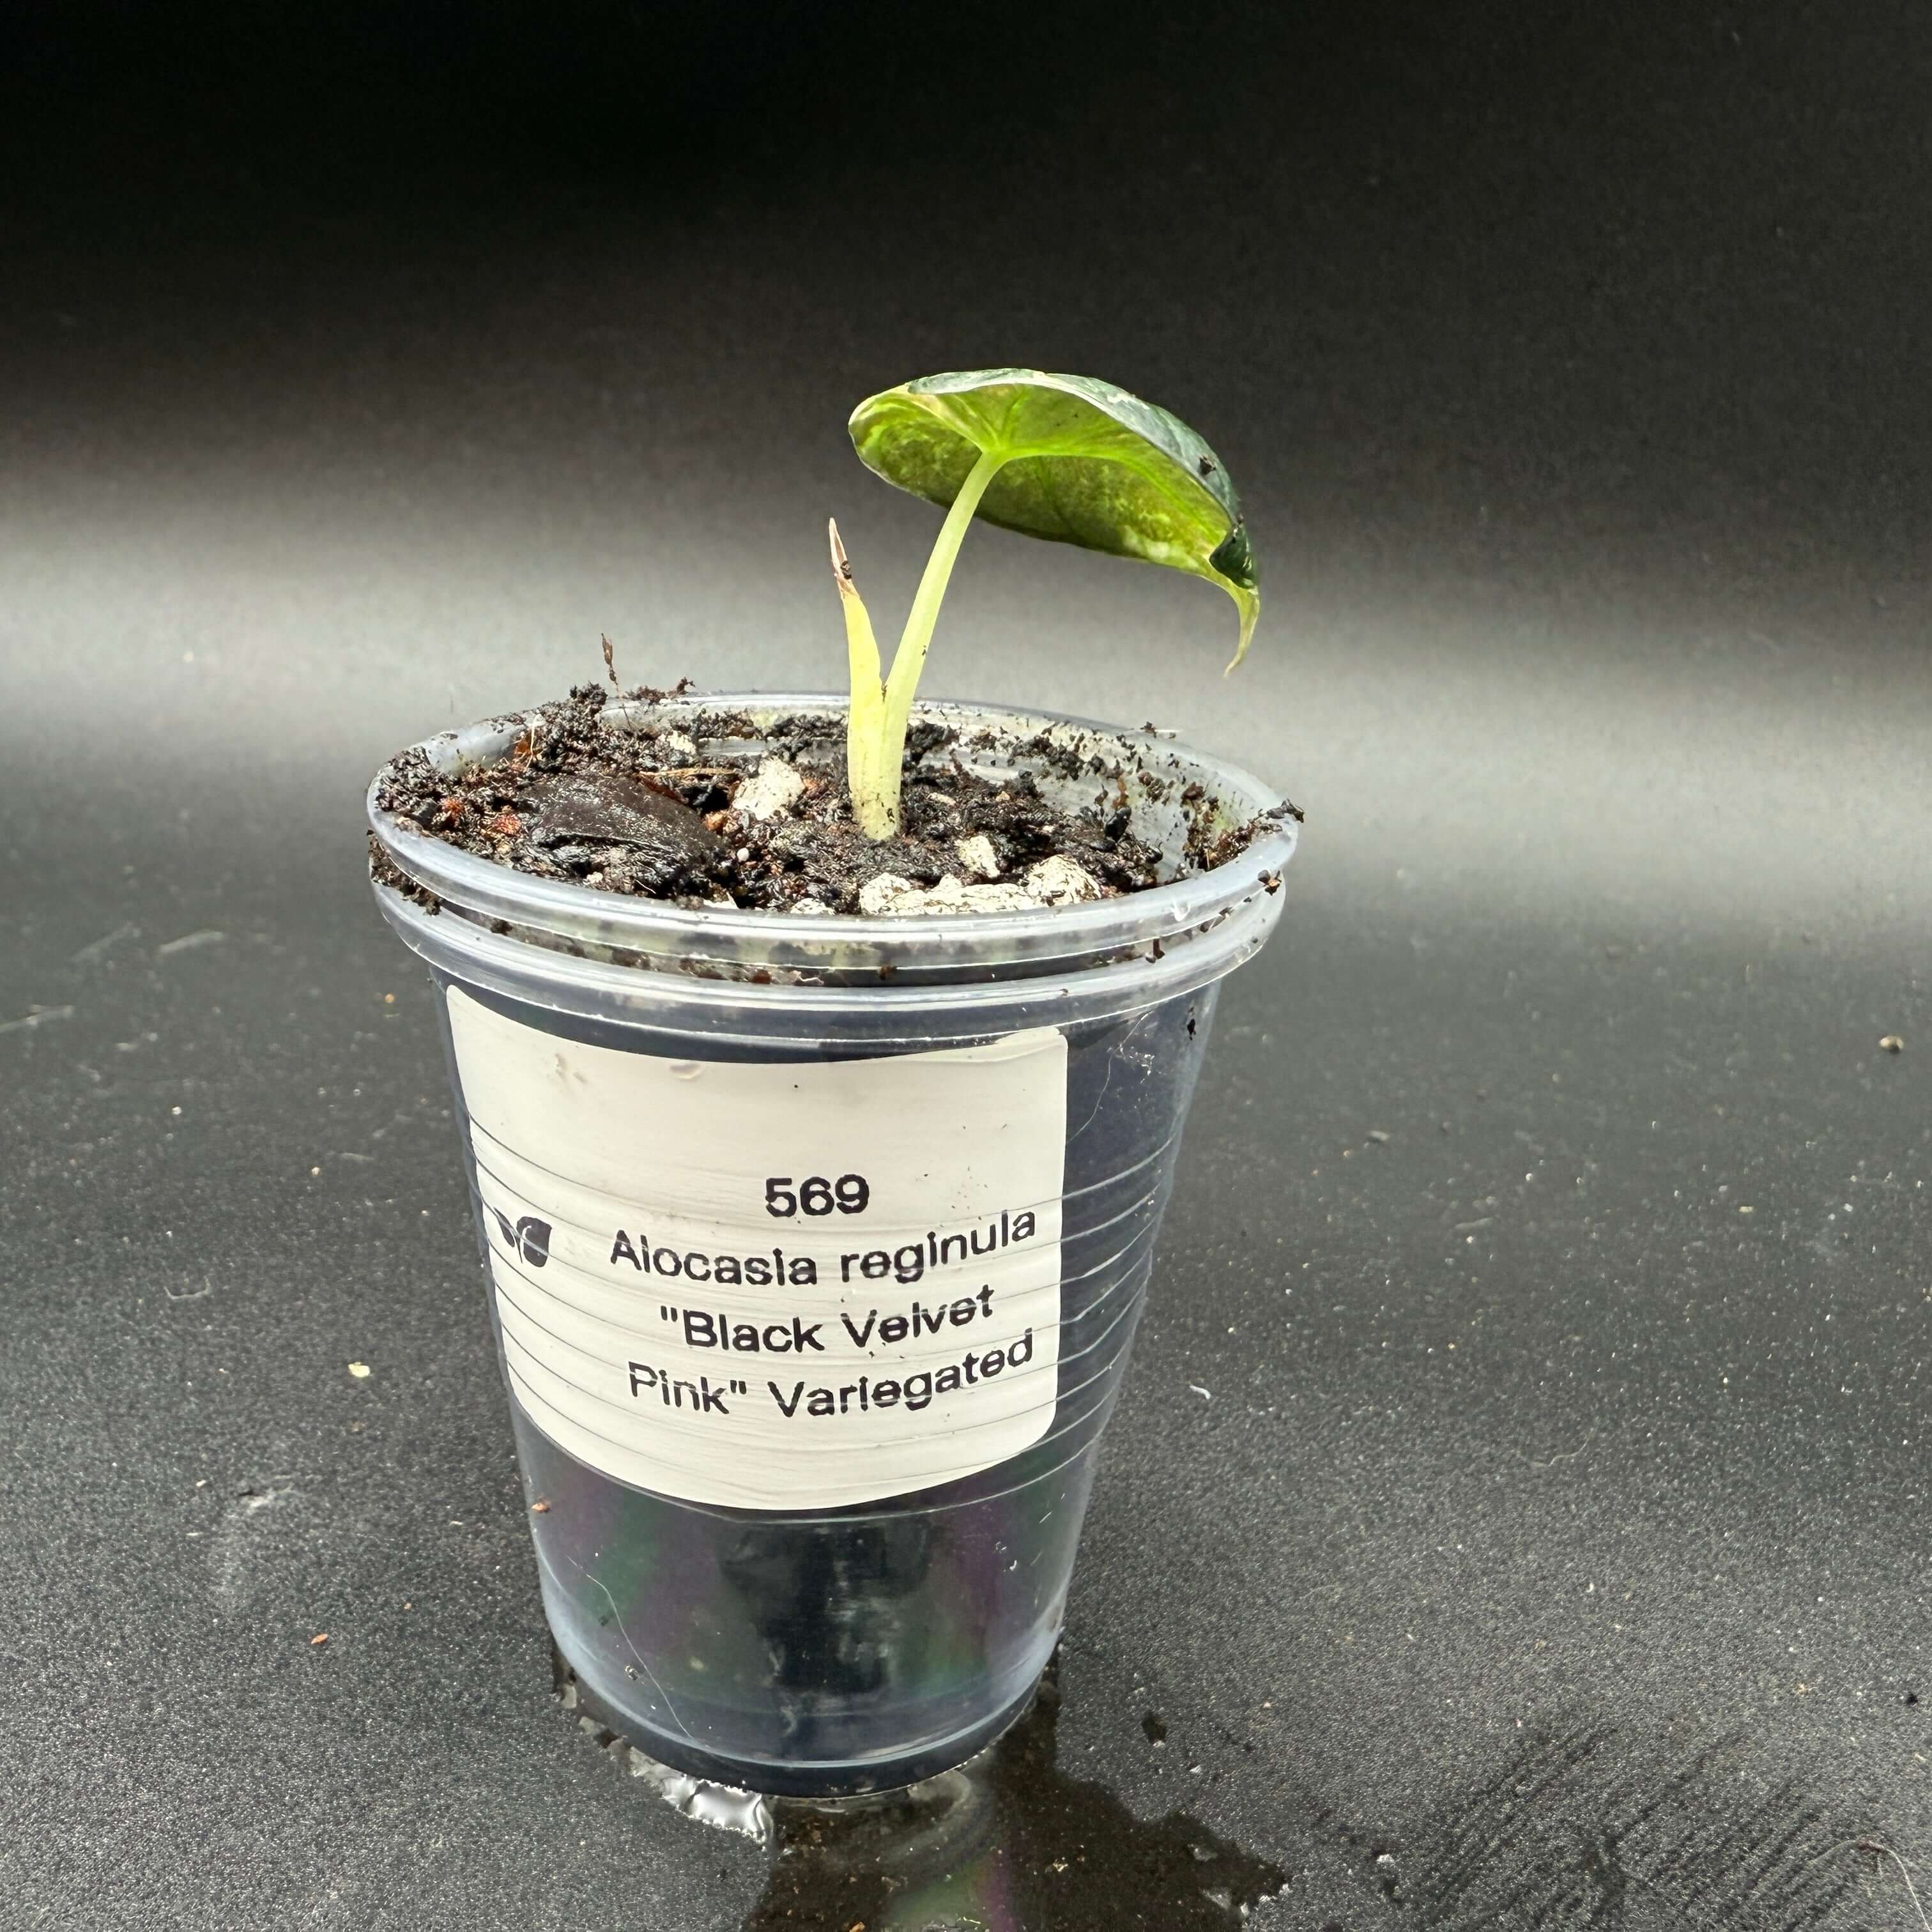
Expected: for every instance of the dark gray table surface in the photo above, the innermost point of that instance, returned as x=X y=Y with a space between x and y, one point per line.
x=1516 y=1515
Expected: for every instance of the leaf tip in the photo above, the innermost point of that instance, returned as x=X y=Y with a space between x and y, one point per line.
x=1248 y=604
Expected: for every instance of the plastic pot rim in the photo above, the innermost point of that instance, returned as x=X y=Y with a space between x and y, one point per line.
x=1045 y=950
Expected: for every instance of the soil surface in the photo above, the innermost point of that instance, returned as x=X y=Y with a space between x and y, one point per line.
x=709 y=809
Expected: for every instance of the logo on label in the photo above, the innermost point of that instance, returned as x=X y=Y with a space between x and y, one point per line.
x=529 y=1237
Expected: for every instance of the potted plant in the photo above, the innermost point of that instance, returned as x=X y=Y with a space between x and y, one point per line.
x=821 y=1064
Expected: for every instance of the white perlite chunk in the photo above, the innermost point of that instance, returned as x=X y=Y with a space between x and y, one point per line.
x=773 y=788
x=889 y=896
x=882 y=896
x=1051 y=882
x=676 y=741
x=977 y=857
x=1059 y=881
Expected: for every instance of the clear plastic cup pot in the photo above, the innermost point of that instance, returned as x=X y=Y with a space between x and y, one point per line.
x=816 y=1248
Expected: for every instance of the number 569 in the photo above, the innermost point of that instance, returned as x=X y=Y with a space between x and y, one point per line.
x=850 y=1193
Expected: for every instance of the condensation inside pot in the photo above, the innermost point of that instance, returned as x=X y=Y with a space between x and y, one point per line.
x=861 y=1648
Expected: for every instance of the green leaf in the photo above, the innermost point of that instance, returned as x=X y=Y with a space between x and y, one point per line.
x=1082 y=462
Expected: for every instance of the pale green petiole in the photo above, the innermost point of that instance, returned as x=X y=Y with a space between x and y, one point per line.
x=865 y=719
x=875 y=732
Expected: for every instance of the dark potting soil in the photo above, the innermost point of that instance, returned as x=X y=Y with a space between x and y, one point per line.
x=649 y=808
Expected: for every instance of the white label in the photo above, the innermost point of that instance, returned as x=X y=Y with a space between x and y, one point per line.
x=779 y=1286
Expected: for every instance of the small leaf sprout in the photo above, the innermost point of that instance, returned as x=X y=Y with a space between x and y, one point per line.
x=1067 y=458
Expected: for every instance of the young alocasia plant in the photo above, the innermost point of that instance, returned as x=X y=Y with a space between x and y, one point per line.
x=1066 y=458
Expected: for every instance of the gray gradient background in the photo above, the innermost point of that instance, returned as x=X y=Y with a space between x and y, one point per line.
x=358 y=373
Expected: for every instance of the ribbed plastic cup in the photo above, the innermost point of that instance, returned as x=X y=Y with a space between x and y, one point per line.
x=845 y=1645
